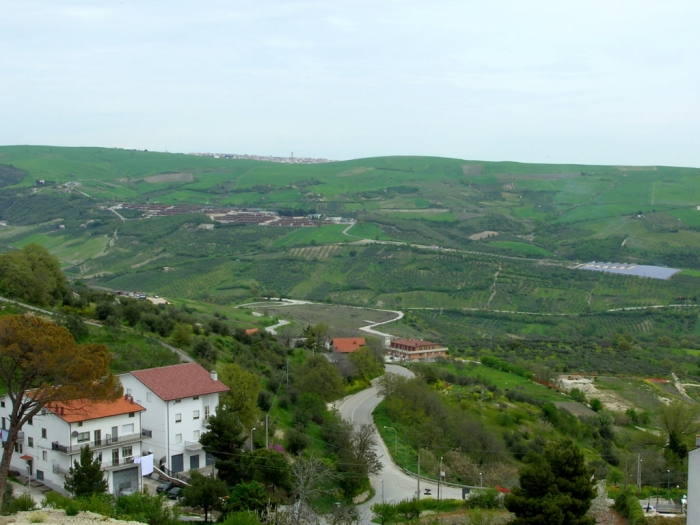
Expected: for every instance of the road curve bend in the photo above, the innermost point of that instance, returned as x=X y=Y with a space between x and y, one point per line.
x=391 y=484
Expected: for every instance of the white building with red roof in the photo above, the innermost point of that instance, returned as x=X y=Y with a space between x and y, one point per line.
x=179 y=400
x=50 y=442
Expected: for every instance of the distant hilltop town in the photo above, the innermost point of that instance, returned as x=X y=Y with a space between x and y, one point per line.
x=283 y=160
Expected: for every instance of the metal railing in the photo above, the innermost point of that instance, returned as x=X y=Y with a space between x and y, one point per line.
x=100 y=443
x=114 y=463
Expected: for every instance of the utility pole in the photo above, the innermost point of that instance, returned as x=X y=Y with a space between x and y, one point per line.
x=639 y=472
x=267 y=434
x=418 y=492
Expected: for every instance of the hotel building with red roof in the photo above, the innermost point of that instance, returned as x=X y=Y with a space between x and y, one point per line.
x=415 y=349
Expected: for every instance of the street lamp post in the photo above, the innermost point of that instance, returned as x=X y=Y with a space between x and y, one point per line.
x=439 y=479
x=396 y=437
x=251 y=438
x=481 y=480
x=668 y=485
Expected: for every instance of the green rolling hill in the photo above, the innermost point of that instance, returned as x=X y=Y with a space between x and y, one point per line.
x=429 y=233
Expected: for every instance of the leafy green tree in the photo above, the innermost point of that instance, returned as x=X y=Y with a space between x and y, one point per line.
x=596 y=404
x=204 y=492
x=40 y=358
x=182 y=335
x=204 y=349
x=366 y=363
x=384 y=512
x=269 y=467
x=318 y=376
x=242 y=399
x=131 y=313
x=248 y=496
x=76 y=326
x=556 y=488
x=679 y=421
x=33 y=275
x=577 y=395
x=408 y=510
x=85 y=478
x=146 y=508
x=223 y=440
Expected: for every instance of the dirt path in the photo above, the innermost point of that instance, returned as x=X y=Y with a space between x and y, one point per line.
x=679 y=386
x=493 y=286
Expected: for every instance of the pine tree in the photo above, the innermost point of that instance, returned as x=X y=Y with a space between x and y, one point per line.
x=556 y=488
x=85 y=478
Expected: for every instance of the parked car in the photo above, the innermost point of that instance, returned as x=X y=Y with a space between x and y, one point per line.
x=165 y=487
x=175 y=493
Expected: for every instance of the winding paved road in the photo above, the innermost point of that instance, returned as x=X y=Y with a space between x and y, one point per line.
x=396 y=484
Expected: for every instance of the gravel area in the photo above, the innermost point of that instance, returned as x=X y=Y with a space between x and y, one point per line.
x=58 y=517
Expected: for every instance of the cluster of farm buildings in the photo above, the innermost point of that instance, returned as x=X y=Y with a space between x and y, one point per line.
x=256 y=216
x=400 y=349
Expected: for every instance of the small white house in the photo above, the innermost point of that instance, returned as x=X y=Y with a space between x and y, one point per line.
x=49 y=443
x=179 y=400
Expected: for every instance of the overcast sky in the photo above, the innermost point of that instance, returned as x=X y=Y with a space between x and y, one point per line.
x=595 y=81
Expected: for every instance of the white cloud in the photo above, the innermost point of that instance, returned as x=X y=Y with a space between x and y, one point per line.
x=606 y=82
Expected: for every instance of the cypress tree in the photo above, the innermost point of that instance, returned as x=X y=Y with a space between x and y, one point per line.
x=556 y=488
x=85 y=478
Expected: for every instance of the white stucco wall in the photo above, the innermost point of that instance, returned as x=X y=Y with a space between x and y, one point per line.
x=694 y=487
x=170 y=436
x=45 y=460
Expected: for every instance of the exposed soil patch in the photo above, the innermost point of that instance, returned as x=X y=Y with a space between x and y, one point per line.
x=482 y=235
x=610 y=401
x=356 y=171
x=170 y=177
x=472 y=169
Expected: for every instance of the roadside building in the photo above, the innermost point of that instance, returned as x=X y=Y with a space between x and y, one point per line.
x=346 y=345
x=179 y=399
x=49 y=443
x=693 y=504
x=415 y=349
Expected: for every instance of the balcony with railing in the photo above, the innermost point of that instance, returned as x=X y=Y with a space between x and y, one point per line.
x=118 y=462
x=108 y=441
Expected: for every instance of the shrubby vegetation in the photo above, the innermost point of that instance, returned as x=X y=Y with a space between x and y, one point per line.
x=33 y=275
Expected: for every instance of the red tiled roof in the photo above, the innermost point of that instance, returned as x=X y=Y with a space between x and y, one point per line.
x=347 y=344
x=251 y=331
x=85 y=409
x=179 y=381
